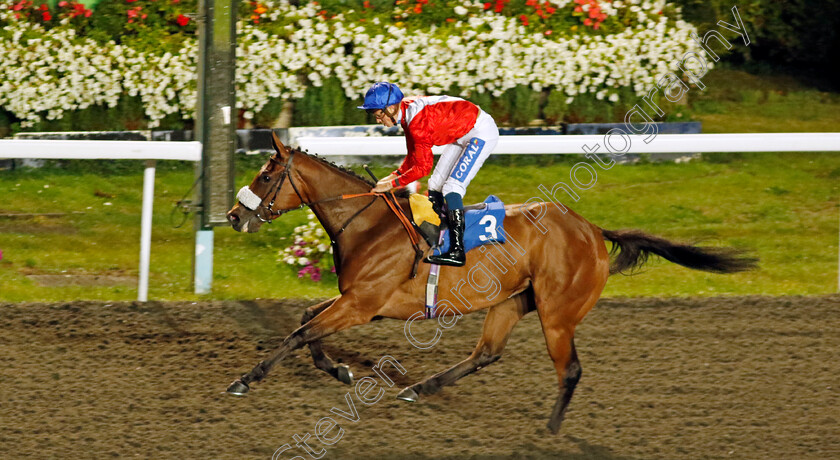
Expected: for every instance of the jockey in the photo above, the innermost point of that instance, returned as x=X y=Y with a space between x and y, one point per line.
x=468 y=135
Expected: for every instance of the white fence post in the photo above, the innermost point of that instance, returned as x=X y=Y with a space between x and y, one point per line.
x=146 y=230
x=203 y=273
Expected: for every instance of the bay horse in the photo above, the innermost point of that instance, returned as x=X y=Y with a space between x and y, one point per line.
x=559 y=268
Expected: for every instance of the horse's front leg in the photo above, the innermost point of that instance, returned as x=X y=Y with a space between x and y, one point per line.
x=345 y=312
x=341 y=372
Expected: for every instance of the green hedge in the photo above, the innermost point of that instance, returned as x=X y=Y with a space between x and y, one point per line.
x=128 y=115
x=327 y=105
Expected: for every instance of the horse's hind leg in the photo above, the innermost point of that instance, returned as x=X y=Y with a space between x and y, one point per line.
x=558 y=322
x=322 y=361
x=498 y=324
x=568 y=382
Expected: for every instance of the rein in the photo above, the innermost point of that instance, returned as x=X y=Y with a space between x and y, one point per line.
x=246 y=197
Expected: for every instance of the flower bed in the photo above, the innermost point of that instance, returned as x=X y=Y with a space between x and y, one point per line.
x=311 y=252
x=64 y=60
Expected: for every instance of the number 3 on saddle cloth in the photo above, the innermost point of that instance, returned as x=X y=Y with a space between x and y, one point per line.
x=484 y=224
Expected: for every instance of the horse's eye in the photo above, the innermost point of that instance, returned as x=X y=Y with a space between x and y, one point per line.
x=266 y=178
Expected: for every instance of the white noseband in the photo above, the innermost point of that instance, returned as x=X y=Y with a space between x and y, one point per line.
x=248 y=198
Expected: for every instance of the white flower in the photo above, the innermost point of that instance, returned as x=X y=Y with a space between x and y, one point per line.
x=303 y=261
x=45 y=73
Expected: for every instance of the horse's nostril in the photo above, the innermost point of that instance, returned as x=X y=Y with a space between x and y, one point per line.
x=233 y=218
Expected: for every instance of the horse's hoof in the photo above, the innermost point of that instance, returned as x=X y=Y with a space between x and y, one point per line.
x=344 y=374
x=408 y=395
x=238 y=388
x=554 y=425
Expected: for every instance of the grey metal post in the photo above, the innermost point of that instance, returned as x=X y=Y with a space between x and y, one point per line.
x=215 y=128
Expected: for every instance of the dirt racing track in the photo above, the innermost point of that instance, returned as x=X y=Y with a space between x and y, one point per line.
x=730 y=377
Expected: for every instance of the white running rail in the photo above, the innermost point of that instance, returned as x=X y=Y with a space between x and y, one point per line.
x=573 y=144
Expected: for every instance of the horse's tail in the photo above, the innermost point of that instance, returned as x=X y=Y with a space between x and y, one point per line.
x=634 y=247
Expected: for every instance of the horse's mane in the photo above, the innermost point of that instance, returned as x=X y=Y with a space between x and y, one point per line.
x=401 y=193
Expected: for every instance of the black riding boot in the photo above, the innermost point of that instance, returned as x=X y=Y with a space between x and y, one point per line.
x=456 y=256
x=438 y=202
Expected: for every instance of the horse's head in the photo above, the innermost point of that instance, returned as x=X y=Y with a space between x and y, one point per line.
x=272 y=192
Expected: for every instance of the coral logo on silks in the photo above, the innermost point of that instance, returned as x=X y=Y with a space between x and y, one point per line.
x=465 y=164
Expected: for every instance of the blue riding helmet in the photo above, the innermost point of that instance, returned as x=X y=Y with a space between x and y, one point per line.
x=382 y=95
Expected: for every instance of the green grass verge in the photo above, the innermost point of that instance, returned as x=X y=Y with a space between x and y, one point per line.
x=735 y=101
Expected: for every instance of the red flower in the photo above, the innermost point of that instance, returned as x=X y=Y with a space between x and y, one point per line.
x=87 y=13
x=551 y=10
x=62 y=4
x=487 y=6
x=366 y=4
x=587 y=22
x=182 y=20
x=578 y=9
x=450 y=20
x=524 y=19
x=547 y=32
x=47 y=15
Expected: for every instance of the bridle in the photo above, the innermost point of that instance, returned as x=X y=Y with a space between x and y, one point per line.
x=287 y=169
x=287 y=174
x=389 y=198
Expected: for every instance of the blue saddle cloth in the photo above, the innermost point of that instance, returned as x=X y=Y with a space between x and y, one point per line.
x=483 y=225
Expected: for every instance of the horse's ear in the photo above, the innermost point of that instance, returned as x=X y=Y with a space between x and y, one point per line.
x=278 y=146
